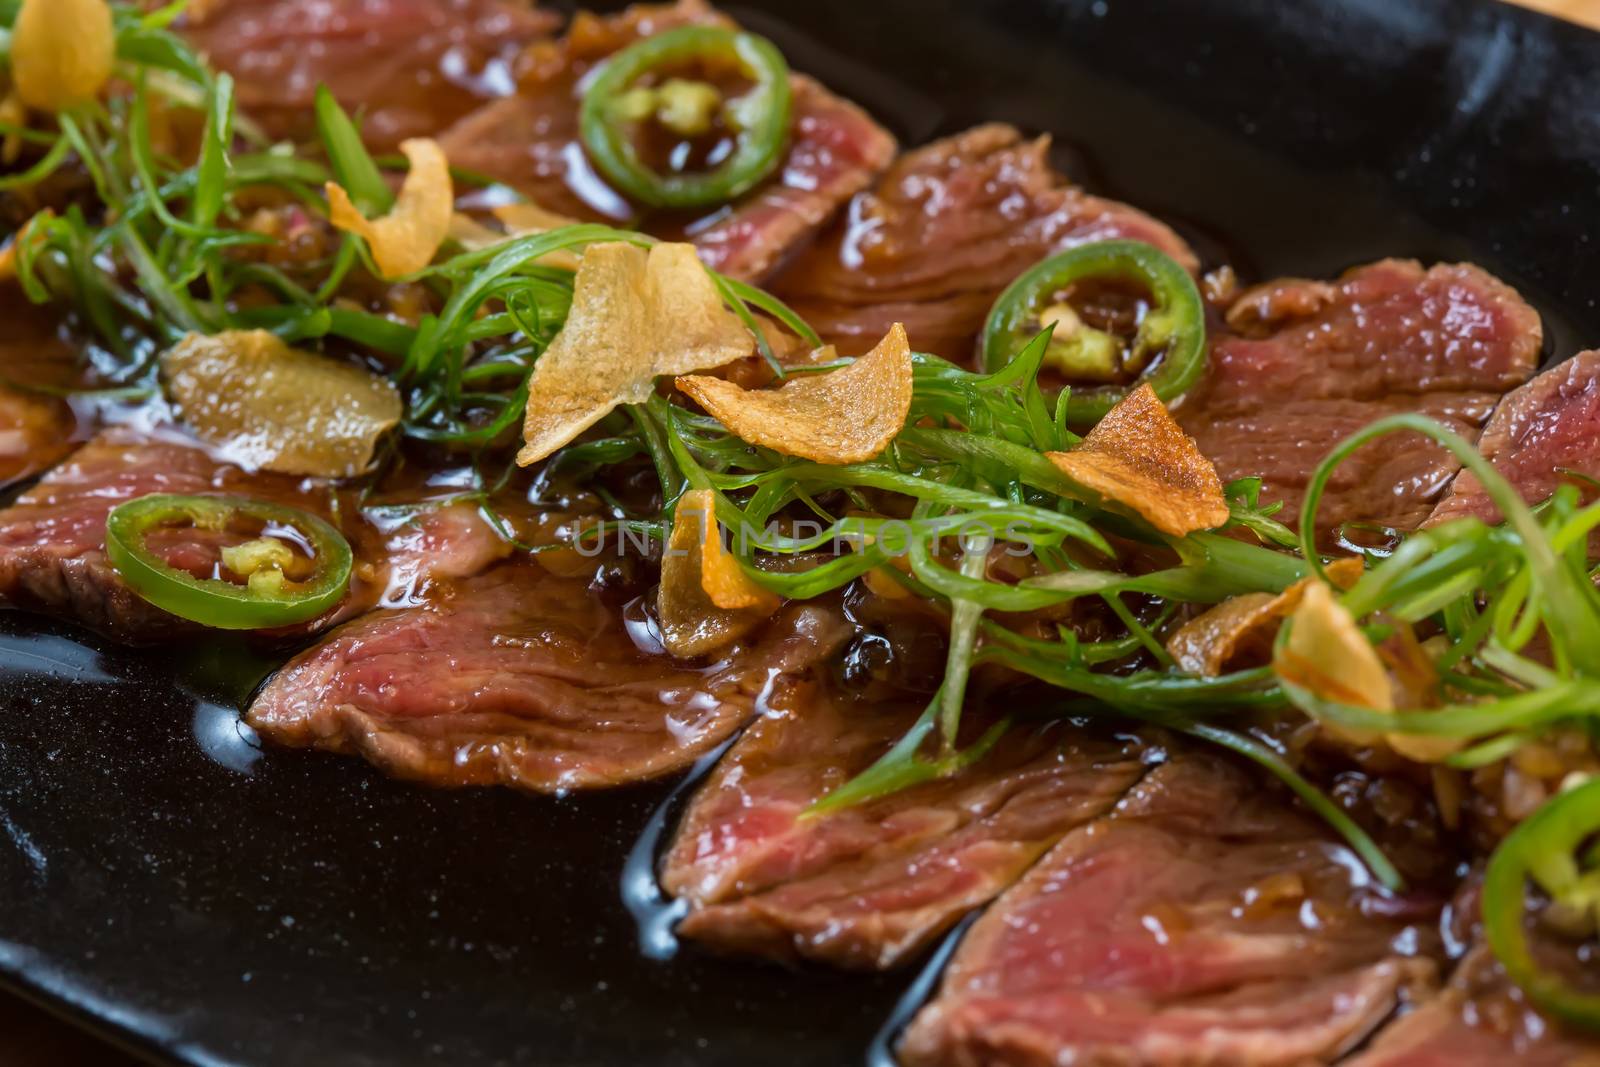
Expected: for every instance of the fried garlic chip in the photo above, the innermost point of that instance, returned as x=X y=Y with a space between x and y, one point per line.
x=276 y=408
x=62 y=52
x=723 y=580
x=706 y=600
x=519 y=220
x=1138 y=458
x=1243 y=626
x=635 y=315
x=844 y=416
x=1328 y=655
x=407 y=238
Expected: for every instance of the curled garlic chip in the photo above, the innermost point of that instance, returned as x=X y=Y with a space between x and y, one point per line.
x=62 y=52
x=706 y=600
x=1328 y=655
x=844 y=416
x=1244 y=626
x=724 y=581
x=473 y=235
x=276 y=408
x=519 y=220
x=1236 y=627
x=407 y=238
x=1138 y=458
x=635 y=314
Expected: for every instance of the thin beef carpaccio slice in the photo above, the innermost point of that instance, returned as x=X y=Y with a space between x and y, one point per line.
x=530 y=141
x=52 y=539
x=517 y=677
x=1479 y=1020
x=411 y=67
x=1547 y=427
x=1302 y=365
x=1204 y=922
x=868 y=886
x=942 y=233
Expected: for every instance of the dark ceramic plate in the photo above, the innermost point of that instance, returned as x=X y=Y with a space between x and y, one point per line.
x=202 y=902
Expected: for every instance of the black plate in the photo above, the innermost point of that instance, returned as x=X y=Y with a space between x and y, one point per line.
x=168 y=884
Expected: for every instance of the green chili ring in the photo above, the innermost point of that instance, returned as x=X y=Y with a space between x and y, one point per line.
x=1542 y=848
x=212 y=601
x=1175 y=325
x=764 y=109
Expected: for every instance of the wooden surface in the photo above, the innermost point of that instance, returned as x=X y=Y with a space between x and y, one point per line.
x=1584 y=11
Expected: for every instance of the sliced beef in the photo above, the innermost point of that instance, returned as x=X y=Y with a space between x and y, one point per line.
x=835 y=151
x=1303 y=364
x=1548 y=426
x=411 y=67
x=428 y=543
x=868 y=886
x=1479 y=1020
x=942 y=233
x=530 y=142
x=52 y=539
x=521 y=678
x=1204 y=922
